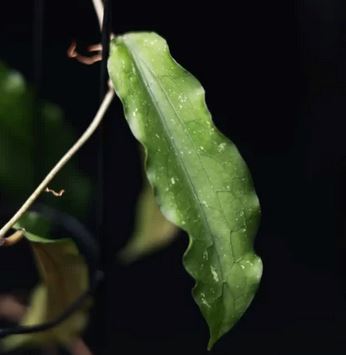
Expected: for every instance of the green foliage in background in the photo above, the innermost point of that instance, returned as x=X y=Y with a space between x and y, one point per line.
x=17 y=125
x=196 y=180
x=17 y=147
x=64 y=277
x=152 y=230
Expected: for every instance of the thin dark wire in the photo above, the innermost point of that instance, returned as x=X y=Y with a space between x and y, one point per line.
x=72 y=308
x=86 y=245
x=37 y=71
x=105 y=36
x=105 y=302
x=38 y=43
x=96 y=276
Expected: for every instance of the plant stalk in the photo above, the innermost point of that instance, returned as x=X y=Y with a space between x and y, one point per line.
x=61 y=163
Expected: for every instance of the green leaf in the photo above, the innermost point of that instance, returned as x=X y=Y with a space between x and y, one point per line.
x=17 y=147
x=201 y=182
x=64 y=275
x=152 y=230
x=16 y=140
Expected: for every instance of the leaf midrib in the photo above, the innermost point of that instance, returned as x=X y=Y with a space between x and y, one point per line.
x=137 y=62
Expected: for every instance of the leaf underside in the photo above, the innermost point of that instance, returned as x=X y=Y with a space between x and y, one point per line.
x=152 y=230
x=200 y=180
x=64 y=277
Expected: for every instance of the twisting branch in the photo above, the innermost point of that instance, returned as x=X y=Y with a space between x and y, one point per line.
x=13 y=239
x=79 y=346
x=73 y=307
x=72 y=53
x=73 y=150
x=55 y=193
x=98 y=6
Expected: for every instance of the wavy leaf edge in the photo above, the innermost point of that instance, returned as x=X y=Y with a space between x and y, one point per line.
x=157 y=93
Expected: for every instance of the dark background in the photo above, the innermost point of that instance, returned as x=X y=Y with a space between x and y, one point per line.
x=275 y=75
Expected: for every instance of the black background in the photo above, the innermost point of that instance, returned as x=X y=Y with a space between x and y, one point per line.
x=275 y=75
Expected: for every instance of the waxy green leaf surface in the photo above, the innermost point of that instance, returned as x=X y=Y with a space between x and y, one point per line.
x=200 y=180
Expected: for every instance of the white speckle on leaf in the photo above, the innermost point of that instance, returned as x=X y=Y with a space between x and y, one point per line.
x=171 y=214
x=204 y=301
x=204 y=203
x=172 y=180
x=221 y=147
x=214 y=273
x=182 y=98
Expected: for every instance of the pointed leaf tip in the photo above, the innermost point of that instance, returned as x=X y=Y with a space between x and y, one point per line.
x=201 y=181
